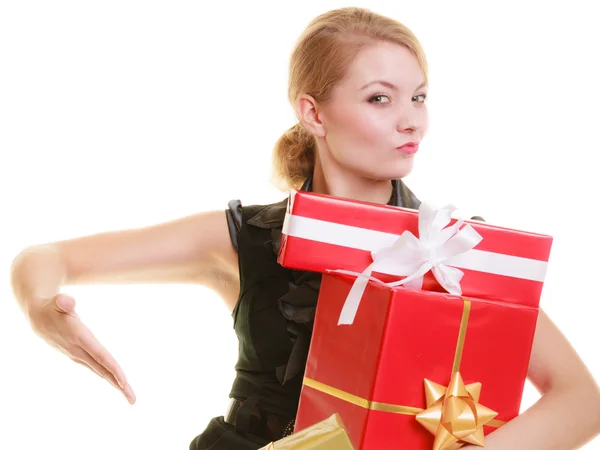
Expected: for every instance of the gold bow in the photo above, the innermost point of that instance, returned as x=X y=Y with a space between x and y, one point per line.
x=454 y=415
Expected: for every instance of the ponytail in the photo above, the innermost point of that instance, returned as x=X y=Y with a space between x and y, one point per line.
x=294 y=156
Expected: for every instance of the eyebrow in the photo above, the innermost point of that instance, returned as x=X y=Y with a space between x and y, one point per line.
x=389 y=85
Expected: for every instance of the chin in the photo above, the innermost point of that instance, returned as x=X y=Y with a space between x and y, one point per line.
x=389 y=170
x=388 y=175
x=396 y=171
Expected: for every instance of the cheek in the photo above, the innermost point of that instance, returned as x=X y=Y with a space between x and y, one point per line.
x=424 y=122
x=361 y=127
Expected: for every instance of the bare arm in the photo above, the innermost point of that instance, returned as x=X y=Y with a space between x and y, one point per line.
x=568 y=414
x=193 y=249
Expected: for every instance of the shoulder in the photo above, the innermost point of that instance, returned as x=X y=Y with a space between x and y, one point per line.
x=263 y=216
x=244 y=218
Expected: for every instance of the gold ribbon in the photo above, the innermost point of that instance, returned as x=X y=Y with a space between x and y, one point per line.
x=453 y=413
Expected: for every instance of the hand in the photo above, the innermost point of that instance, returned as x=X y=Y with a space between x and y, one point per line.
x=57 y=323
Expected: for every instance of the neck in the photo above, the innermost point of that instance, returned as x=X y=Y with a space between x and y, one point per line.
x=339 y=183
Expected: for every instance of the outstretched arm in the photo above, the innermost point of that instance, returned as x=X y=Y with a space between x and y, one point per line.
x=193 y=249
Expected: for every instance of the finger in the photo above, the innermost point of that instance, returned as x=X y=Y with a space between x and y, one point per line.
x=90 y=344
x=96 y=368
x=129 y=395
x=83 y=358
x=65 y=304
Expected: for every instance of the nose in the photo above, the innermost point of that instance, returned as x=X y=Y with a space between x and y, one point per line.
x=407 y=125
x=406 y=128
x=409 y=120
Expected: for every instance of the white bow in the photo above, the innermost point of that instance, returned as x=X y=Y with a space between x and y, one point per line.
x=413 y=257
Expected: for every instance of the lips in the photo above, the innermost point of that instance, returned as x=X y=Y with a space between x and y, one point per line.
x=410 y=148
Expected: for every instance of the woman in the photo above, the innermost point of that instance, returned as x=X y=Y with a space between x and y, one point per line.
x=358 y=83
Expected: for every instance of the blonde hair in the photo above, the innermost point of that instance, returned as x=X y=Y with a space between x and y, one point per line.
x=321 y=58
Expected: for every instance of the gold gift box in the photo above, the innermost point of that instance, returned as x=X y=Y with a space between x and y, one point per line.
x=329 y=434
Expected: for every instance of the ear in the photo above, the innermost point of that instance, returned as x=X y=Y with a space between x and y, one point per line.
x=308 y=110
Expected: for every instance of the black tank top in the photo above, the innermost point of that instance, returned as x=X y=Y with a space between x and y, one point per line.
x=274 y=314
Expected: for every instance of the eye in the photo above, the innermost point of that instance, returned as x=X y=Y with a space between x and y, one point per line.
x=380 y=98
x=421 y=98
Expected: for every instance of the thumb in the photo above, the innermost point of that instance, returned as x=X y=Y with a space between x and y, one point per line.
x=65 y=304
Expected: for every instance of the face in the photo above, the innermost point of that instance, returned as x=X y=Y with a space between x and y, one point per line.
x=375 y=110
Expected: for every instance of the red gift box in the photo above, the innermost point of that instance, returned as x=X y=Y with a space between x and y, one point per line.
x=372 y=373
x=413 y=359
x=323 y=233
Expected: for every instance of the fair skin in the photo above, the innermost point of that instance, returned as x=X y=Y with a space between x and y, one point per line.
x=367 y=124
x=377 y=107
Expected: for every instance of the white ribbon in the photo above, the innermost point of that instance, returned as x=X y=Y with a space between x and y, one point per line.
x=413 y=257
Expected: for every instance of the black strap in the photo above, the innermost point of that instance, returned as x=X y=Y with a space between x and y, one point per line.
x=234 y=222
x=242 y=420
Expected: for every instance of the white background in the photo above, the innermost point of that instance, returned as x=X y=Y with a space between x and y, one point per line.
x=120 y=114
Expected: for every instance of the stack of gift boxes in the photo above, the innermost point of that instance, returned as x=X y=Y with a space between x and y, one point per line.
x=424 y=325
